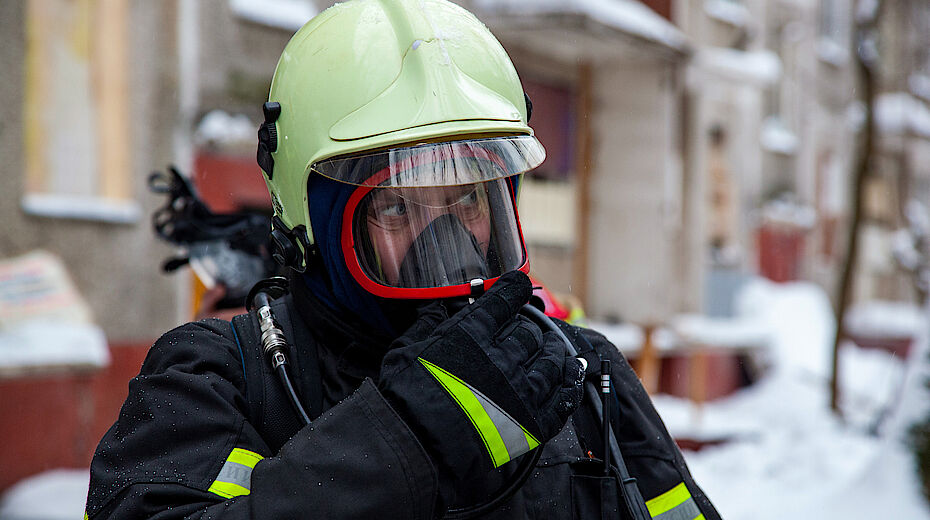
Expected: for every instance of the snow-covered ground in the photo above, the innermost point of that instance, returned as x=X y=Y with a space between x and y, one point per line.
x=786 y=455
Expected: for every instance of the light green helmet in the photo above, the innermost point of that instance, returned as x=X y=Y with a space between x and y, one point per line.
x=385 y=76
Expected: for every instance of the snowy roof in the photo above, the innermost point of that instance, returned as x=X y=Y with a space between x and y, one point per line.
x=628 y=16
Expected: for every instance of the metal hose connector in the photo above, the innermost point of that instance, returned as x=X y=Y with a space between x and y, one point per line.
x=273 y=341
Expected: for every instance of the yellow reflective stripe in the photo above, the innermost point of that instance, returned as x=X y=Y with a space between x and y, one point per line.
x=475 y=412
x=668 y=500
x=235 y=475
x=244 y=457
x=85 y=516
x=228 y=489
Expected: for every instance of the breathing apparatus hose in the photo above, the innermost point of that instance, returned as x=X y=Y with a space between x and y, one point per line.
x=273 y=345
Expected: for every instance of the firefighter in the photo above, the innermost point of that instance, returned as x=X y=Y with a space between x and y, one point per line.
x=394 y=139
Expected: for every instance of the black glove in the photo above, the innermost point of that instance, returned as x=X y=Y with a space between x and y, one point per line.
x=484 y=386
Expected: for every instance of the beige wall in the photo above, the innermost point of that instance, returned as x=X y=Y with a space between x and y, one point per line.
x=115 y=266
x=635 y=195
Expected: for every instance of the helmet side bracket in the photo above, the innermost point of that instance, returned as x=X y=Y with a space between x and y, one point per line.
x=291 y=247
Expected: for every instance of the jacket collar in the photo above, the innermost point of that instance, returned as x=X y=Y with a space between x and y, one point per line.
x=356 y=347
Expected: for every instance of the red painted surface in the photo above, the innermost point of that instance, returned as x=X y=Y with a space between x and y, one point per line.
x=55 y=421
x=898 y=347
x=723 y=374
x=662 y=7
x=229 y=183
x=780 y=252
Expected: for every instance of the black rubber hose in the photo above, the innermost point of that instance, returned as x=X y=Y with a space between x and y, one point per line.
x=523 y=474
x=292 y=394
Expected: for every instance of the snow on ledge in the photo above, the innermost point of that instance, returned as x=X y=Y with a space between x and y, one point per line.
x=42 y=344
x=626 y=15
x=832 y=52
x=885 y=319
x=222 y=128
x=283 y=14
x=736 y=333
x=727 y=11
x=759 y=67
x=778 y=138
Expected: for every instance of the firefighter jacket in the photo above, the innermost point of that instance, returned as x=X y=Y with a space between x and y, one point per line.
x=203 y=434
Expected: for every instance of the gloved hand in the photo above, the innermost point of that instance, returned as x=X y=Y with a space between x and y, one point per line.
x=484 y=386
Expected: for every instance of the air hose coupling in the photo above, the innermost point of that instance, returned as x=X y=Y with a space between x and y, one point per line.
x=273 y=341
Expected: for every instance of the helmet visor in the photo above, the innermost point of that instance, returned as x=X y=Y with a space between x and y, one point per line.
x=430 y=237
x=451 y=163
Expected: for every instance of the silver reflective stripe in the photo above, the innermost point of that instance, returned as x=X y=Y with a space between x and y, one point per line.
x=508 y=428
x=686 y=510
x=235 y=473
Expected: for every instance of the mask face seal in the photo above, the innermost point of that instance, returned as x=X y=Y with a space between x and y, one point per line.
x=431 y=242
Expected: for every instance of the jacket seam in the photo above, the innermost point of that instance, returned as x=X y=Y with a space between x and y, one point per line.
x=398 y=452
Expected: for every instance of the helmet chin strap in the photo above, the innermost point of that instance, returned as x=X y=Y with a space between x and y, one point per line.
x=445 y=253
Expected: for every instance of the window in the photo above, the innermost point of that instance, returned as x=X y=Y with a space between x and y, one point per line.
x=76 y=126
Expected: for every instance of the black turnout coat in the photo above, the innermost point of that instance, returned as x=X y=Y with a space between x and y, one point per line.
x=206 y=432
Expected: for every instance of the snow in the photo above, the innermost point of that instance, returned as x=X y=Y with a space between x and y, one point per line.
x=221 y=128
x=41 y=343
x=628 y=337
x=776 y=137
x=284 y=14
x=626 y=15
x=698 y=329
x=919 y=85
x=832 y=52
x=884 y=319
x=761 y=67
x=787 y=210
x=786 y=455
x=727 y=11
x=54 y=495
x=899 y=112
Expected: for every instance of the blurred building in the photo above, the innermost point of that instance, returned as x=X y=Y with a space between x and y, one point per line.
x=901 y=172
x=688 y=139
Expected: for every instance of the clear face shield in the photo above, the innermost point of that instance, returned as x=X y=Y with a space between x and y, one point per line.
x=427 y=221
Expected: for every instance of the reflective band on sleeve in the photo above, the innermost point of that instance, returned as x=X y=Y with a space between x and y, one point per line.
x=503 y=436
x=236 y=474
x=674 y=504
